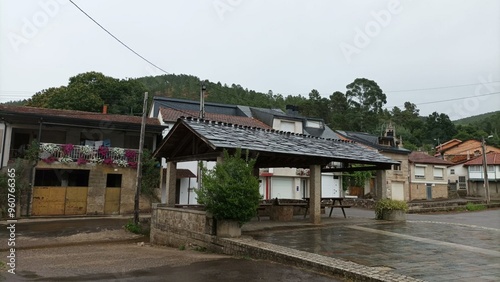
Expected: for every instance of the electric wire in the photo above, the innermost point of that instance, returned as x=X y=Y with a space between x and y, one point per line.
x=116 y=38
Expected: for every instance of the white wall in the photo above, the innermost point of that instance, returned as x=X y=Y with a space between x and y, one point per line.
x=330 y=187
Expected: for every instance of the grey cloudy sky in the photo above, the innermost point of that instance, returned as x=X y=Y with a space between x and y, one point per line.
x=286 y=46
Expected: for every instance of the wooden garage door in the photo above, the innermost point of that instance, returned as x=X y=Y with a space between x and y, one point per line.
x=59 y=200
x=48 y=200
x=76 y=200
x=112 y=200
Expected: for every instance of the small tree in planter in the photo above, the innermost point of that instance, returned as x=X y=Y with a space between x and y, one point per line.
x=388 y=209
x=230 y=191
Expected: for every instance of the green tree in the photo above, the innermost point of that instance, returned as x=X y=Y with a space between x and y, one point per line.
x=366 y=99
x=439 y=127
x=41 y=98
x=150 y=175
x=340 y=111
x=230 y=190
x=77 y=98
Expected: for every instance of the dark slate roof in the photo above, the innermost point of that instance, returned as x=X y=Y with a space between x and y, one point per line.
x=171 y=115
x=190 y=105
x=325 y=132
x=275 y=148
x=372 y=141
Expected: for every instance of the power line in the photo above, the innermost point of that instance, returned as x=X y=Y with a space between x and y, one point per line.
x=132 y=50
x=452 y=99
x=441 y=87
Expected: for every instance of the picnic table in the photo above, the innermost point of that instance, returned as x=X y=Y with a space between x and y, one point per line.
x=330 y=203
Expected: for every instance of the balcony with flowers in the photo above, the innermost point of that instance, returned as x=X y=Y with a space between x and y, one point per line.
x=85 y=154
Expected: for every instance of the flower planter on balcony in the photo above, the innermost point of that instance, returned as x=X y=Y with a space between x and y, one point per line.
x=81 y=155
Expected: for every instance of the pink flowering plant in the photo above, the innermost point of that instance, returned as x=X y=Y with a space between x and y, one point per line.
x=50 y=159
x=67 y=149
x=130 y=155
x=81 y=161
x=103 y=151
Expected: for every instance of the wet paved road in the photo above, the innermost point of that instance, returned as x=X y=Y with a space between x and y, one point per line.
x=130 y=262
x=442 y=247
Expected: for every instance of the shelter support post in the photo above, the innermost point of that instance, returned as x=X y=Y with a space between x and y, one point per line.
x=381 y=185
x=315 y=194
x=171 y=183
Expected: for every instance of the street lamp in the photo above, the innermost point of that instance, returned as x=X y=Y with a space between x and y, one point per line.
x=485 y=168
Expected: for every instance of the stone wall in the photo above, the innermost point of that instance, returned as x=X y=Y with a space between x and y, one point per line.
x=182 y=227
x=419 y=191
x=360 y=203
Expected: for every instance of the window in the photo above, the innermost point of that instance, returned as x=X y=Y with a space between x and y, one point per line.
x=461 y=182
x=287 y=126
x=62 y=177
x=397 y=167
x=314 y=124
x=452 y=171
x=438 y=173
x=491 y=168
x=114 y=180
x=475 y=168
x=420 y=172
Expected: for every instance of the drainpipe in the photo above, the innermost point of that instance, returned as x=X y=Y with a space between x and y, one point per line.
x=409 y=181
x=3 y=143
x=189 y=187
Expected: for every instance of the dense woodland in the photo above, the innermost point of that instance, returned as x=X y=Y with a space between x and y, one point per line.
x=358 y=107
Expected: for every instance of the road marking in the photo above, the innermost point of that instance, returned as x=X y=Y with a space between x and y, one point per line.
x=452 y=223
x=429 y=241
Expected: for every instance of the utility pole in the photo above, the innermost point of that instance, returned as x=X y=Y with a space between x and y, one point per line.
x=202 y=100
x=139 y=160
x=485 y=167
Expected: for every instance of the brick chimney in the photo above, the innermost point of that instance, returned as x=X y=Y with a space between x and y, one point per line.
x=105 y=109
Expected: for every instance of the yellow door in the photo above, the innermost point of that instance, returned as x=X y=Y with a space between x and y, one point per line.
x=112 y=201
x=76 y=200
x=48 y=200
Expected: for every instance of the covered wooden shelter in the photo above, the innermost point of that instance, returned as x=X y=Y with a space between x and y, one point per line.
x=198 y=139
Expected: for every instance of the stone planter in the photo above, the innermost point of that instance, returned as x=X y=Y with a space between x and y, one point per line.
x=228 y=228
x=281 y=213
x=394 y=215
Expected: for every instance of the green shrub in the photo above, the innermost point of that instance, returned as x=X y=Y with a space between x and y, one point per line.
x=230 y=190
x=387 y=205
x=134 y=228
x=475 y=207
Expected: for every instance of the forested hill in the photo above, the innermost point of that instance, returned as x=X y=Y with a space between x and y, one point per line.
x=477 y=118
x=358 y=107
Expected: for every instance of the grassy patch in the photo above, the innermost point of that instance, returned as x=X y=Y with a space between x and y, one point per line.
x=182 y=247
x=200 y=249
x=475 y=207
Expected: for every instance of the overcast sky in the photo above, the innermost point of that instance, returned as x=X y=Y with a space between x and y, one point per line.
x=290 y=47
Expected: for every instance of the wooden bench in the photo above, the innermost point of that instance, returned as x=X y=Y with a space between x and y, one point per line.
x=330 y=203
x=332 y=206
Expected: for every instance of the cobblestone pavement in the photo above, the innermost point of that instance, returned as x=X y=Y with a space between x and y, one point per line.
x=442 y=247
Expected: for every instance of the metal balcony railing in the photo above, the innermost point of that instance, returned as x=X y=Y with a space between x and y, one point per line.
x=67 y=153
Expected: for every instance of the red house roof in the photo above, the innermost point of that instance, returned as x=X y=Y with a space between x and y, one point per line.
x=70 y=114
x=424 y=158
x=492 y=158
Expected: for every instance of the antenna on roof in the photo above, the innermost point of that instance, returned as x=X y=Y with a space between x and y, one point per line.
x=202 y=100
